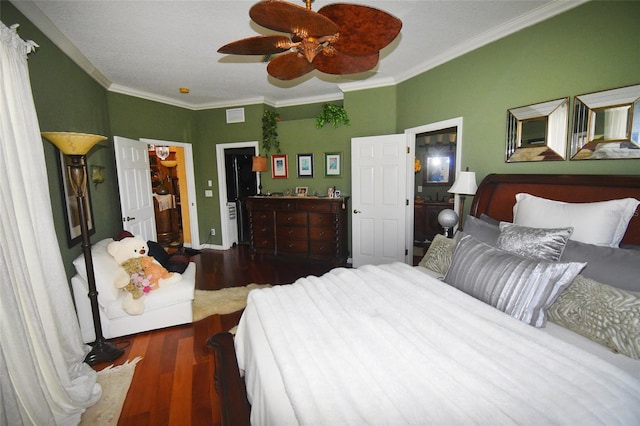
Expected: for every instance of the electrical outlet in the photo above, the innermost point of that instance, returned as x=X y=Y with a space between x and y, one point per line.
x=213 y=231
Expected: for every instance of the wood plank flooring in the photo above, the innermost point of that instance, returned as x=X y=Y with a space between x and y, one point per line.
x=173 y=384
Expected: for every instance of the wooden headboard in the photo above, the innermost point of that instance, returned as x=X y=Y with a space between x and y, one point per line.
x=496 y=194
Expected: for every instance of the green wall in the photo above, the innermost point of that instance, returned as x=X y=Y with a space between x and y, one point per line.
x=590 y=48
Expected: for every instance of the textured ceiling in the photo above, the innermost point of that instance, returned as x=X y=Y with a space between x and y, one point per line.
x=152 y=48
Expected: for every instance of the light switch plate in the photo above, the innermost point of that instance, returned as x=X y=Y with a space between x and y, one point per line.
x=208 y=193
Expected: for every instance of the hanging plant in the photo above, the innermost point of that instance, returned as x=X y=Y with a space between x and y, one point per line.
x=334 y=114
x=270 y=131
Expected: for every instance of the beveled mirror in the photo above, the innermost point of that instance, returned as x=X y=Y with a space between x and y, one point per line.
x=606 y=124
x=538 y=132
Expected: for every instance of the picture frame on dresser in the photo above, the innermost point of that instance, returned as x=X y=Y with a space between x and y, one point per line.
x=333 y=164
x=305 y=165
x=279 y=166
x=70 y=204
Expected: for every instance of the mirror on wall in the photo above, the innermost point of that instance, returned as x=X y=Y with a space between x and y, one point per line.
x=606 y=125
x=538 y=132
x=436 y=153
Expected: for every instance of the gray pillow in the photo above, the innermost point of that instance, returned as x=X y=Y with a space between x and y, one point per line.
x=438 y=256
x=521 y=287
x=481 y=230
x=539 y=243
x=613 y=266
x=602 y=313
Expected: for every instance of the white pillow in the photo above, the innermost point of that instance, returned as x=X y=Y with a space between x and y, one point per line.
x=601 y=223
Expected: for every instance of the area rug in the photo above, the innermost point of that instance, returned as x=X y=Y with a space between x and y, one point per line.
x=115 y=382
x=223 y=301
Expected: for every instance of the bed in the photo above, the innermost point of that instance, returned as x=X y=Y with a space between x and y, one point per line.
x=432 y=344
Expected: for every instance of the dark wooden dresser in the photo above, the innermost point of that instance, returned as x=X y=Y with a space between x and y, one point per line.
x=426 y=224
x=299 y=227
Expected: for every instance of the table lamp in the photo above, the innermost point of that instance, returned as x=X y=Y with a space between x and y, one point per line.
x=464 y=185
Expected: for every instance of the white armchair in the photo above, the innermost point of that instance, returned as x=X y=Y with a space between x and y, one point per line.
x=164 y=307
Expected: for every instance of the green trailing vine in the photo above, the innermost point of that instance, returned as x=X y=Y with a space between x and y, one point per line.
x=333 y=114
x=270 y=131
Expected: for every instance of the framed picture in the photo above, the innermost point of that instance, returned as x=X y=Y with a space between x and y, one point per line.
x=305 y=165
x=70 y=204
x=279 y=168
x=332 y=163
x=438 y=169
x=301 y=191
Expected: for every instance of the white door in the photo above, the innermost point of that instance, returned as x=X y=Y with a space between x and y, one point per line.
x=134 y=183
x=379 y=200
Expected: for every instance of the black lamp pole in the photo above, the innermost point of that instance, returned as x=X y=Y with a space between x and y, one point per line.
x=102 y=350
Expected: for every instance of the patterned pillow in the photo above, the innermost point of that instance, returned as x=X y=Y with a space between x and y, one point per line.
x=604 y=314
x=519 y=286
x=539 y=243
x=438 y=256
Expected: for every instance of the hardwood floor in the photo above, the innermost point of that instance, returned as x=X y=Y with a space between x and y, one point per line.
x=173 y=384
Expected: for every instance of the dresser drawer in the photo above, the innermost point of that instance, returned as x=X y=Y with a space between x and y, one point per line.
x=264 y=230
x=259 y=217
x=300 y=247
x=262 y=204
x=322 y=219
x=322 y=233
x=322 y=248
x=264 y=243
x=292 y=233
x=315 y=205
x=291 y=218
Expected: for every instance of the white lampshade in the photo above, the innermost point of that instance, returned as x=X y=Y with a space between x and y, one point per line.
x=465 y=184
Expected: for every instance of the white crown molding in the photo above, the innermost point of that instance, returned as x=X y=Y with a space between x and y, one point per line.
x=44 y=24
x=540 y=14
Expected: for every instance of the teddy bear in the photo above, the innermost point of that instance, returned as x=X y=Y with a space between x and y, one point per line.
x=139 y=273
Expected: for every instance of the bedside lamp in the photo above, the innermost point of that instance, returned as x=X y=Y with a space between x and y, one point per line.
x=447 y=218
x=464 y=185
x=259 y=165
x=76 y=146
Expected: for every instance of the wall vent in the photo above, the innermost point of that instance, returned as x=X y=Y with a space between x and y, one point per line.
x=235 y=115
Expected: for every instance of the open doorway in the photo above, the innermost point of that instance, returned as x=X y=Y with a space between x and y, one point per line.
x=438 y=150
x=241 y=183
x=229 y=212
x=177 y=177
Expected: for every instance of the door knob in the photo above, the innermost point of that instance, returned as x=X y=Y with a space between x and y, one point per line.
x=127 y=219
x=356 y=211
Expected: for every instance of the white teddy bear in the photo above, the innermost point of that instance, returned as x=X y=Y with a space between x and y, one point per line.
x=139 y=274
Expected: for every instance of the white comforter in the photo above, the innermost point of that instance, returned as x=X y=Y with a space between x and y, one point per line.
x=390 y=345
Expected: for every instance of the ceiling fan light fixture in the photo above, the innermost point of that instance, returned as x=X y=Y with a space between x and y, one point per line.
x=339 y=39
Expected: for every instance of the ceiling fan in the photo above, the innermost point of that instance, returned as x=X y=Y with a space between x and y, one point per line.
x=338 y=39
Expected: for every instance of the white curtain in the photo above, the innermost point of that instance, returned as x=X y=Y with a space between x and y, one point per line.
x=43 y=379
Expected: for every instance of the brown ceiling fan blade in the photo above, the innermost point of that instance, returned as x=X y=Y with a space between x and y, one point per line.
x=340 y=63
x=259 y=45
x=289 y=66
x=363 y=30
x=289 y=18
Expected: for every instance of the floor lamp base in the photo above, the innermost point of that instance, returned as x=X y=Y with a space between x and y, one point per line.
x=103 y=352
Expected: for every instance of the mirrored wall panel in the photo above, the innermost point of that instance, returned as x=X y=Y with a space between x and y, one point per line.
x=606 y=125
x=538 y=132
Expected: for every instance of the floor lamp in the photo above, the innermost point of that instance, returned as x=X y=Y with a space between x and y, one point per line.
x=259 y=165
x=76 y=146
x=464 y=185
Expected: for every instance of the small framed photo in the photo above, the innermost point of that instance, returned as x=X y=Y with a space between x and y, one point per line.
x=305 y=165
x=438 y=169
x=332 y=163
x=279 y=168
x=336 y=193
x=301 y=191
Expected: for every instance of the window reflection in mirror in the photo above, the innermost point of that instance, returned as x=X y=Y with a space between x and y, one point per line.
x=436 y=153
x=537 y=132
x=606 y=125
x=533 y=132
